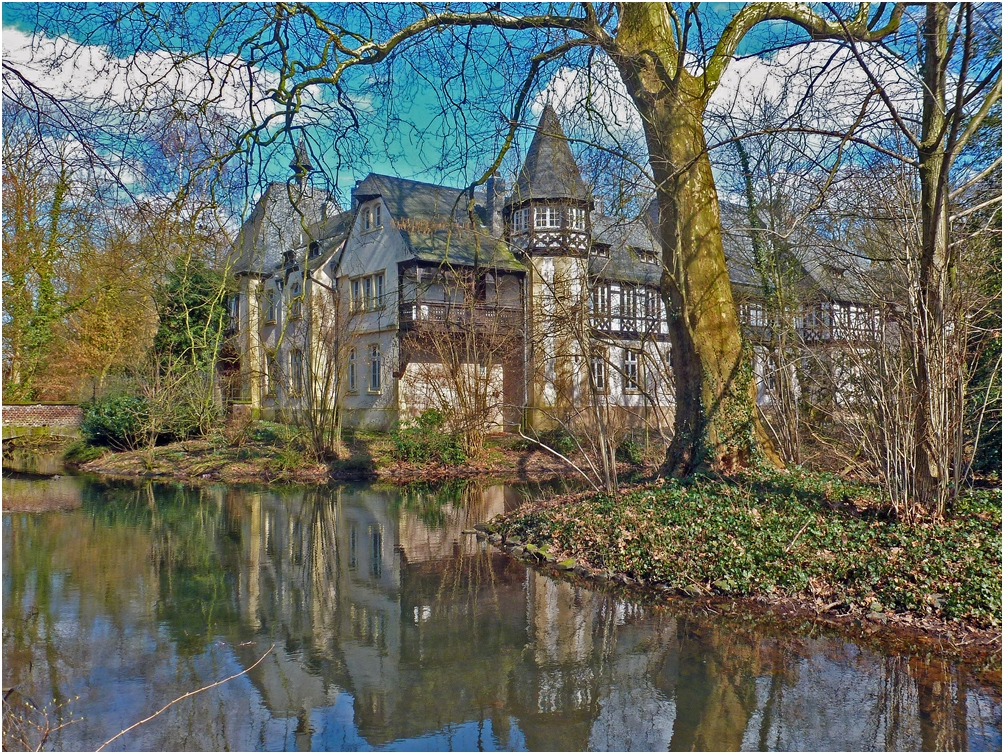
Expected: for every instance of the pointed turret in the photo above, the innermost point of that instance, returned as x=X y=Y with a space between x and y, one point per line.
x=301 y=161
x=550 y=170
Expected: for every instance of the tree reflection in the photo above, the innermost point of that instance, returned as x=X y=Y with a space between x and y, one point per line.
x=382 y=603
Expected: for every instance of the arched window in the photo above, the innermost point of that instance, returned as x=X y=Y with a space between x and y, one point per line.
x=374 y=369
x=352 y=370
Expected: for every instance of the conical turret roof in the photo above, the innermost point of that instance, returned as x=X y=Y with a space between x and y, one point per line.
x=550 y=170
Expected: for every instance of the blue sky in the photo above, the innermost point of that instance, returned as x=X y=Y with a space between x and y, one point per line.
x=406 y=129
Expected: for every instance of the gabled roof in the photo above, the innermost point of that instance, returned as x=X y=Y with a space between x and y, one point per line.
x=434 y=223
x=275 y=224
x=550 y=170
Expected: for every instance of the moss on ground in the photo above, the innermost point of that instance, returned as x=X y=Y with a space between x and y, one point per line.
x=786 y=534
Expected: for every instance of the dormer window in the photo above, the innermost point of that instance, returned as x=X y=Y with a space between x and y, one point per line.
x=647 y=256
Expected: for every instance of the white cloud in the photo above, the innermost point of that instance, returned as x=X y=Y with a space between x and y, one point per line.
x=813 y=86
x=142 y=82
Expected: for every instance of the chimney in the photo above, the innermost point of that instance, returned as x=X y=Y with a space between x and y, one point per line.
x=493 y=205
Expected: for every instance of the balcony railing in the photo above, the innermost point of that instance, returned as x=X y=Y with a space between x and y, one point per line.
x=478 y=316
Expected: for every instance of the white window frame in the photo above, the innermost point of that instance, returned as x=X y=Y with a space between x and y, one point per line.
x=629 y=302
x=599 y=374
x=353 y=386
x=367 y=292
x=599 y=304
x=521 y=220
x=632 y=371
x=296 y=300
x=375 y=381
x=270 y=306
x=653 y=306
x=547 y=217
x=271 y=374
x=296 y=371
x=576 y=218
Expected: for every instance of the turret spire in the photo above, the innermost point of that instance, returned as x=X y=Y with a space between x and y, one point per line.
x=550 y=170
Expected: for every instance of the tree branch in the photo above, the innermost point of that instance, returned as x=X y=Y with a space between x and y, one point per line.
x=800 y=14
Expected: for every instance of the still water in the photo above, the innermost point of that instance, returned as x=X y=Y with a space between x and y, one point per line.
x=392 y=628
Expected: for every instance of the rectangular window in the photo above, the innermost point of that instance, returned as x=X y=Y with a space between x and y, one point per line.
x=367 y=218
x=632 y=371
x=648 y=256
x=357 y=296
x=577 y=218
x=270 y=307
x=599 y=372
x=296 y=301
x=520 y=220
x=352 y=371
x=374 y=369
x=756 y=316
x=271 y=374
x=367 y=292
x=601 y=250
x=629 y=302
x=376 y=216
x=653 y=306
x=234 y=306
x=547 y=217
x=599 y=305
x=296 y=371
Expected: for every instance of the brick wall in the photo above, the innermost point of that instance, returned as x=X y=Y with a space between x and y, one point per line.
x=42 y=415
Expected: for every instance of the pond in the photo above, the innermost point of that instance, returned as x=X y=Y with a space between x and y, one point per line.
x=385 y=624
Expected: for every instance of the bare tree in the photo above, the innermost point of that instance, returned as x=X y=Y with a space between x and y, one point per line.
x=315 y=49
x=961 y=86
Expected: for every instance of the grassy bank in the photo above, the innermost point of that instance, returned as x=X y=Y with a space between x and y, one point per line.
x=274 y=452
x=782 y=535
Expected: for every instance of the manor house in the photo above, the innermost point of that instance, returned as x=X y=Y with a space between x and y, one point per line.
x=525 y=307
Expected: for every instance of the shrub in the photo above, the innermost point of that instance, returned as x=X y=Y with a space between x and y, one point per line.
x=115 y=421
x=426 y=440
x=560 y=439
x=80 y=452
x=629 y=452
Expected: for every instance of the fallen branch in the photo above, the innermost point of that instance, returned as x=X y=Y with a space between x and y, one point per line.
x=185 y=696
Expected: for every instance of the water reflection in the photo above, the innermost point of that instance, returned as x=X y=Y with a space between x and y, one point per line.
x=394 y=628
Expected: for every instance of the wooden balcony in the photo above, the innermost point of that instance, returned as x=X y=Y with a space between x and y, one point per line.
x=447 y=315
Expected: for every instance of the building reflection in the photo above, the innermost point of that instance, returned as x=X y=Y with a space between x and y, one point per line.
x=385 y=595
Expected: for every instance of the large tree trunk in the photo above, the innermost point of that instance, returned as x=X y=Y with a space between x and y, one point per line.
x=716 y=424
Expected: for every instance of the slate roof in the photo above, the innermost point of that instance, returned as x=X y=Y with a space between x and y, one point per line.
x=275 y=225
x=623 y=237
x=550 y=170
x=435 y=225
